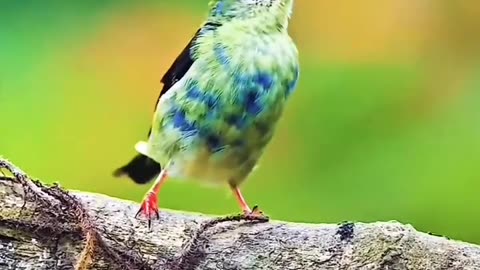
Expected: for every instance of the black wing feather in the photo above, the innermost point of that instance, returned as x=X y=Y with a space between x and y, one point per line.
x=177 y=70
x=182 y=63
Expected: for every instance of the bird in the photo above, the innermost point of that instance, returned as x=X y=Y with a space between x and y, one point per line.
x=220 y=102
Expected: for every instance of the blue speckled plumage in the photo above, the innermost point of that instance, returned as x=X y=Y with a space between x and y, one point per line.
x=224 y=94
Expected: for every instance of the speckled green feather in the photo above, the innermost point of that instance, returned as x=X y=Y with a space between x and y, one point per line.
x=215 y=122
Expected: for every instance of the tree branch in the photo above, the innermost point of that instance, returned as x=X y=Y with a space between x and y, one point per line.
x=48 y=228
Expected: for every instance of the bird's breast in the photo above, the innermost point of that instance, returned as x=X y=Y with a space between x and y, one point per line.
x=238 y=92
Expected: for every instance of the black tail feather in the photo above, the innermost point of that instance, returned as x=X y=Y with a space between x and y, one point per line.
x=140 y=169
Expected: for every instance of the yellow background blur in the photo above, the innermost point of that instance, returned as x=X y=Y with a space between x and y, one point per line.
x=385 y=123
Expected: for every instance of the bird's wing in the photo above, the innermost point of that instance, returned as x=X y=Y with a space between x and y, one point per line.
x=182 y=64
x=177 y=70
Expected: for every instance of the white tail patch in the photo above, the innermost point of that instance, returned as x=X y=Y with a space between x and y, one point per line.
x=142 y=148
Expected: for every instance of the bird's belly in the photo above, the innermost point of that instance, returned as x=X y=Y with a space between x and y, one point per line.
x=216 y=164
x=200 y=167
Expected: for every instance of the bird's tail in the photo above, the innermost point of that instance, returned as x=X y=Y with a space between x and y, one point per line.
x=140 y=169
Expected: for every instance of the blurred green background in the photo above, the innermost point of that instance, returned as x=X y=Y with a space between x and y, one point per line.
x=385 y=123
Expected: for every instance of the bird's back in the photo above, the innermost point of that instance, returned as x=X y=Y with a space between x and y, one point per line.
x=216 y=121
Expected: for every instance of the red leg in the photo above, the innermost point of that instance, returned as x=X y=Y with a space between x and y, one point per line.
x=241 y=201
x=253 y=214
x=149 y=207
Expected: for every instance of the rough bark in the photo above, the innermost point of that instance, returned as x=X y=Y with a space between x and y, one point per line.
x=48 y=228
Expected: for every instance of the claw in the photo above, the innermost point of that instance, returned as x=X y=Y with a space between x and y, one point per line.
x=149 y=208
x=255 y=214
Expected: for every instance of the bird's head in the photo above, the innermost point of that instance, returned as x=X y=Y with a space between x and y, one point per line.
x=229 y=10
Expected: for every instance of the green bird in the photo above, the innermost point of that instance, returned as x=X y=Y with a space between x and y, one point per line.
x=221 y=100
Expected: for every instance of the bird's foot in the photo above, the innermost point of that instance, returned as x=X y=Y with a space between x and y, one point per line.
x=149 y=208
x=255 y=214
